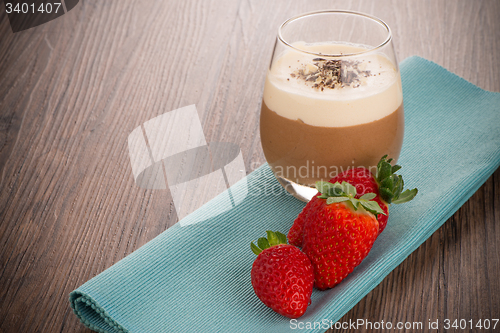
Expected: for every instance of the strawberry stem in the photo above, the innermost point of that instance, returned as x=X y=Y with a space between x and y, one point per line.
x=273 y=238
x=391 y=185
x=337 y=192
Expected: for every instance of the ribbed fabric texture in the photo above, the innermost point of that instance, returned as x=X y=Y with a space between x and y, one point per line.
x=195 y=276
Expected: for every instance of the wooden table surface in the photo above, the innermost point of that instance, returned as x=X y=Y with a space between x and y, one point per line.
x=73 y=89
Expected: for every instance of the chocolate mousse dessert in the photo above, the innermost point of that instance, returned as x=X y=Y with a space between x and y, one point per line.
x=324 y=114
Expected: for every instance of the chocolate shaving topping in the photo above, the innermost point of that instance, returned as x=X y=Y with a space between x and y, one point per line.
x=331 y=74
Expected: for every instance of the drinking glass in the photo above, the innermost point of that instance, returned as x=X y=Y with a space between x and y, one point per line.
x=332 y=99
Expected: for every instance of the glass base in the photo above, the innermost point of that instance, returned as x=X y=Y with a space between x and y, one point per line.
x=301 y=192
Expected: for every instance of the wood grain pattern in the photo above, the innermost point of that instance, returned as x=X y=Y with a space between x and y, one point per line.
x=73 y=89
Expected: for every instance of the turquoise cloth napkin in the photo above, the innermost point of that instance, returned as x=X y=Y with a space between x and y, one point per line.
x=195 y=276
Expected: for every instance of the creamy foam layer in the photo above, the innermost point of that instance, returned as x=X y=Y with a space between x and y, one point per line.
x=373 y=97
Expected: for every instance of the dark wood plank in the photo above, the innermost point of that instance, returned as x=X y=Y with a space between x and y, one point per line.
x=73 y=89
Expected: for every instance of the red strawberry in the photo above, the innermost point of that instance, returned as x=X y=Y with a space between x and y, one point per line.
x=365 y=182
x=295 y=232
x=341 y=231
x=386 y=185
x=282 y=275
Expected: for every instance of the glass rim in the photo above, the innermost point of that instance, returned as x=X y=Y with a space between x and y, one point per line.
x=334 y=11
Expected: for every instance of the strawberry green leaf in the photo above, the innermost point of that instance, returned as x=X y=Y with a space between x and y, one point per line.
x=281 y=237
x=255 y=249
x=395 y=168
x=391 y=185
x=336 y=190
x=329 y=190
x=349 y=189
x=331 y=200
x=372 y=206
x=386 y=194
x=355 y=203
x=379 y=165
x=406 y=196
x=263 y=243
x=272 y=238
x=323 y=187
x=387 y=183
x=398 y=186
x=384 y=171
x=368 y=196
